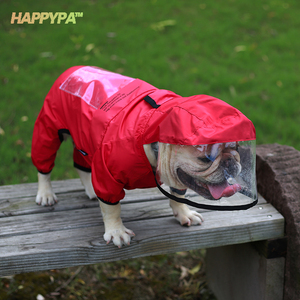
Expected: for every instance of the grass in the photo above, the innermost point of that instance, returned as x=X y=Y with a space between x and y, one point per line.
x=244 y=52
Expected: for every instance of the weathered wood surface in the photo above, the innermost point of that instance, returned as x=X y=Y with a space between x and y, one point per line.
x=34 y=238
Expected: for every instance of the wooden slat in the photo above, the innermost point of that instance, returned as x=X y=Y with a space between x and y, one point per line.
x=78 y=218
x=30 y=189
x=62 y=186
x=70 y=195
x=84 y=216
x=67 y=201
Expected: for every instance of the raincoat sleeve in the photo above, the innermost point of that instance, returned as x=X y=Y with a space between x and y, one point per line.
x=107 y=188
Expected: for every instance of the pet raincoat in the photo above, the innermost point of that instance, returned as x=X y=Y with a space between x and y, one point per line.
x=110 y=117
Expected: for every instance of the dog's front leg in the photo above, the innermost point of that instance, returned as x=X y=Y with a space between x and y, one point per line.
x=184 y=215
x=45 y=195
x=114 y=229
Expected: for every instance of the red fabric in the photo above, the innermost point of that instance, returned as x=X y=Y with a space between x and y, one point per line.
x=113 y=133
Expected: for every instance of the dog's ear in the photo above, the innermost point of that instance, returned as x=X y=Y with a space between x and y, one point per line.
x=164 y=165
x=167 y=163
x=150 y=153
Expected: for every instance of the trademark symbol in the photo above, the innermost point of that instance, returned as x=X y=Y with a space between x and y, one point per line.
x=79 y=14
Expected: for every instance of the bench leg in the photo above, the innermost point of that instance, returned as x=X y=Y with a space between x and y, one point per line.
x=239 y=272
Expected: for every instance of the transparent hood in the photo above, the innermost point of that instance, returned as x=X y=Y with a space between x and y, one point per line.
x=214 y=176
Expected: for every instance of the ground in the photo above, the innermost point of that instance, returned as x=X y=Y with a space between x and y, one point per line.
x=178 y=276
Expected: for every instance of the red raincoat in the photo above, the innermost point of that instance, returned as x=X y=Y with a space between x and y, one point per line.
x=110 y=121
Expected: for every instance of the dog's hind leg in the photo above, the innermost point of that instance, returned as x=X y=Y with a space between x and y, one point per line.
x=84 y=171
x=85 y=178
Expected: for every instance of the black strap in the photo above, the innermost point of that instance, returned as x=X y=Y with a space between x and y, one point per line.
x=205 y=206
x=149 y=100
x=179 y=192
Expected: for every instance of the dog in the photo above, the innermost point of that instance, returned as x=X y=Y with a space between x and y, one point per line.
x=105 y=113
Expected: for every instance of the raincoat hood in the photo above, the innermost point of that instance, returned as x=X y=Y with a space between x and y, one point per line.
x=199 y=119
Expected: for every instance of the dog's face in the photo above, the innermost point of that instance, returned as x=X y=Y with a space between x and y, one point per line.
x=206 y=169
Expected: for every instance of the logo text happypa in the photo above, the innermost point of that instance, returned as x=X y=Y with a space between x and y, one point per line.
x=40 y=17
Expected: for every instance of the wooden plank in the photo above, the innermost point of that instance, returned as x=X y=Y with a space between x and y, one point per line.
x=30 y=189
x=75 y=246
x=61 y=187
x=67 y=202
x=84 y=215
x=27 y=205
x=70 y=195
x=78 y=218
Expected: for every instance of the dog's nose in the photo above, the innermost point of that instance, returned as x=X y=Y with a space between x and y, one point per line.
x=227 y=161
x=229 y=164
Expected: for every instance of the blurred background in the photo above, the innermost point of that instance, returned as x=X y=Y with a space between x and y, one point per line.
x=243 y=52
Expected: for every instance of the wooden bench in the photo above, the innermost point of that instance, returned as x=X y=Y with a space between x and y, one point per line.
x=35 y=238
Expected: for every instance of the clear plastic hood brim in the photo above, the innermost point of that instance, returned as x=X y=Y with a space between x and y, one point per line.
x=221 y=174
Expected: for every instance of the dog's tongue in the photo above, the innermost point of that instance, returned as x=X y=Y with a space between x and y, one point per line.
x=223 y=189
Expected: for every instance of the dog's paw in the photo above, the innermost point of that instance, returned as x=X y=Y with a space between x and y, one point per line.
x=45 y=198
x=119 y=236
x=45 y=195
x=189 y=218
x=185 y=216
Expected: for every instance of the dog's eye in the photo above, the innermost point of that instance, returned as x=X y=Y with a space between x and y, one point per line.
x=205 y=160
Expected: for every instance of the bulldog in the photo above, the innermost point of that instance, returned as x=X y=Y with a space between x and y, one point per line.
x=206 y=169
x=187 y=142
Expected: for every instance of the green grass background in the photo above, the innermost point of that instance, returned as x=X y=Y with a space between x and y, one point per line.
x=244 y=52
